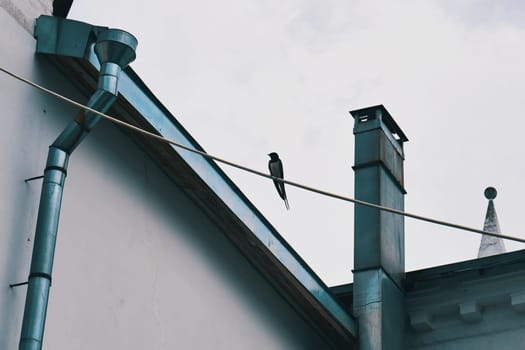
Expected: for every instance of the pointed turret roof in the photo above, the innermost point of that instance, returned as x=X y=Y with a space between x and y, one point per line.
x=491 y=245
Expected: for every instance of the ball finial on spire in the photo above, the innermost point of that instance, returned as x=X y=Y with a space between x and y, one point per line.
x=490 y=193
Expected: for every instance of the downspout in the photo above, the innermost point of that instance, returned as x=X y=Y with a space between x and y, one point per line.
x=115 y=49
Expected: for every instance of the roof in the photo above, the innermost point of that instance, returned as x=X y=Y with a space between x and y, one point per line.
x=434 y=276
x=205 y=183
x=61 y=7
x=482 y=266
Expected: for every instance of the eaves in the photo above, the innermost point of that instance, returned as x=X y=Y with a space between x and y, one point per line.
x=209 y=187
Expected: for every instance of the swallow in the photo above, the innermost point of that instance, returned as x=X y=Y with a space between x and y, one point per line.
x=276 y=170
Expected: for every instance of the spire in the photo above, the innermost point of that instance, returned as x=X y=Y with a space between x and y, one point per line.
x=491 y=245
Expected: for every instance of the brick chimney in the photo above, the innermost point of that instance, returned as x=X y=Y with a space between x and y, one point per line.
x=379 y=237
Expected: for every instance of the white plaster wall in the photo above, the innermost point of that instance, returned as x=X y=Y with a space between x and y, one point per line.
x=26 y=11
x=137 y=265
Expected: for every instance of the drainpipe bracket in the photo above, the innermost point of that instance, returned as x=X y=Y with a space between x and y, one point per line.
x=13 y=285
x=34 y=178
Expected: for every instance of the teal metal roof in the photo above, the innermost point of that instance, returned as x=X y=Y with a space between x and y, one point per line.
x=205 y=182
x=482 y=266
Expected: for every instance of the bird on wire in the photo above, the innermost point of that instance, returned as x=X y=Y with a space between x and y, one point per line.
x=276 y=170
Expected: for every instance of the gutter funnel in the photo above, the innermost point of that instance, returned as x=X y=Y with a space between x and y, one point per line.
x=115 y=49
x=116 y=46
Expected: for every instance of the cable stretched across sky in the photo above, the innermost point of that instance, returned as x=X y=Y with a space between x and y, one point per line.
x=256 y=172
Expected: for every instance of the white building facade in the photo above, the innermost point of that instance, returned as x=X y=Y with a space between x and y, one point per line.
x=158 y=249
x=142 y=260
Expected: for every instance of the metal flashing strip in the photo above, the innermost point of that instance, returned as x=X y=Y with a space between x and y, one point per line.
x=165 y=125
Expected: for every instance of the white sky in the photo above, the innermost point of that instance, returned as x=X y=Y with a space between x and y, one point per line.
x=249 y=77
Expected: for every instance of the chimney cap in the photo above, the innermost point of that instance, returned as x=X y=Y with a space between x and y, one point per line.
x=385 y=117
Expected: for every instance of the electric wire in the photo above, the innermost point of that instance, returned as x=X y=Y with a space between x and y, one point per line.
x=256 y=172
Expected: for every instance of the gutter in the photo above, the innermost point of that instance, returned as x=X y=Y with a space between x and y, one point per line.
x=115 y=49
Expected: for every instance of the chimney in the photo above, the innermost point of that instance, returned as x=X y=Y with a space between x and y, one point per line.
x=379 y=237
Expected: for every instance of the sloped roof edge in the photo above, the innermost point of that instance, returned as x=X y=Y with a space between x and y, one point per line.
x=221 y=199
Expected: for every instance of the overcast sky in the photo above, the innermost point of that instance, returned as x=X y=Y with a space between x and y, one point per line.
x=249 y=77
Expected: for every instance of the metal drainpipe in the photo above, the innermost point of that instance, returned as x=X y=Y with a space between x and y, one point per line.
x=115 y=49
